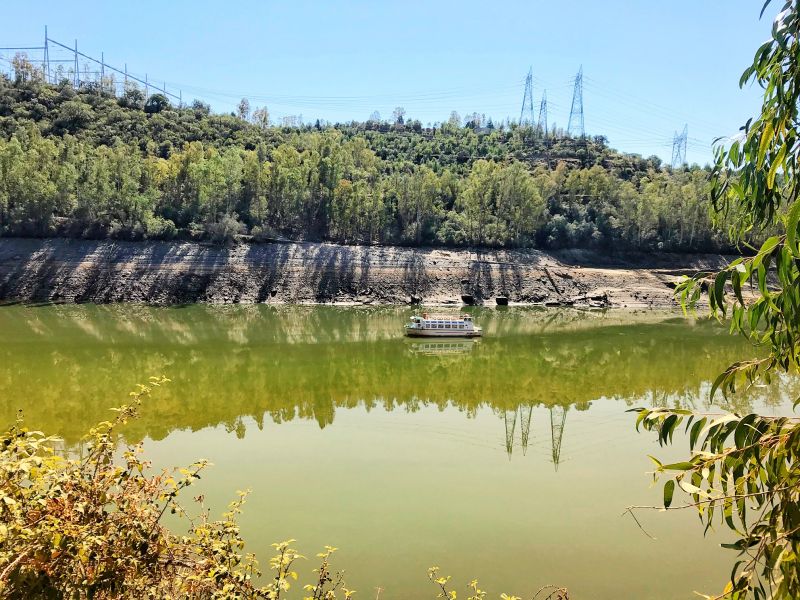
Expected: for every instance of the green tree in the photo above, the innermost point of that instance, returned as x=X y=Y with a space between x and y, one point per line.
x=243 y=109
x=288 y=190
x=255 y=181
x=417 y=185
x=261 y=117
x=156 y=103
x=418 y=204
x=73 y=116
x=745 y=473
x=478 y=199
x=519 y=205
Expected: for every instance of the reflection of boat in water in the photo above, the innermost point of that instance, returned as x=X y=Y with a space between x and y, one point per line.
x=442 y=347
x=442 y=326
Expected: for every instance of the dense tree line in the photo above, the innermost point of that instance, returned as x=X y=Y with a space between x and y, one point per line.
x=90 y=164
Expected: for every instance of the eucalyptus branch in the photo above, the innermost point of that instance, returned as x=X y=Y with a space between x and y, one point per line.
x=556 y=592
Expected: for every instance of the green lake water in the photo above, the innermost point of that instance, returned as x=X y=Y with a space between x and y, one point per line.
x=510 y=458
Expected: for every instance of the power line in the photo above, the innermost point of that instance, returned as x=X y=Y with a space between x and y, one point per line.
x=81 y=77
x=648 y=107
x=54 y=56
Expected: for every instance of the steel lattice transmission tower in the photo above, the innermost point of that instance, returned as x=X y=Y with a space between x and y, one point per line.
x=527 y=98
x=46 y=61
x=679 y=144
x=575 y=124
x=543 y=113
x=558 y=417
x=510 y=418
x=525 y=413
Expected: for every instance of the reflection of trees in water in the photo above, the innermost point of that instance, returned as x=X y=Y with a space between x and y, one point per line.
x=264 y=324
x=301 y=362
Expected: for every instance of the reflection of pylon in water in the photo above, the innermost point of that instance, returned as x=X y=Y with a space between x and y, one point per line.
x=511 y=425
x=523 y=414
x=558 y=416
x=525 y=425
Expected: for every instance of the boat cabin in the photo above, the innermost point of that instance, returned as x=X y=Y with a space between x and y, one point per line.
x=442 y=325
x=443 y=322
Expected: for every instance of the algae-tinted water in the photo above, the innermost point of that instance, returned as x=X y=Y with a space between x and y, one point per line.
x=509 y=458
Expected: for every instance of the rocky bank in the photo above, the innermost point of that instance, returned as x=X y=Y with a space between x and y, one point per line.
x=61 y=270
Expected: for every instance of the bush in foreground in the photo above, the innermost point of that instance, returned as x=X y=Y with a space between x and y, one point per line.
x=91 y=526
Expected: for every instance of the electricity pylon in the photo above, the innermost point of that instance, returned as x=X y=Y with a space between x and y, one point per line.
x=558 y=417
x=527 y=98
x=525 y=426
x=511 y=425
x=575 y=124
x=679 y=143
x=543 y=113
x=523 y=413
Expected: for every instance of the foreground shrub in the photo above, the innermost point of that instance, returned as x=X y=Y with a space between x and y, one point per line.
x=91 y=526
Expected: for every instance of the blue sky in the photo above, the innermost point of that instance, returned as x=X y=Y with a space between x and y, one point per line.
x=649 y=67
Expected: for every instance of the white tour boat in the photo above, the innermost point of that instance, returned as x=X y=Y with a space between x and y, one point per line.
x=442 y=326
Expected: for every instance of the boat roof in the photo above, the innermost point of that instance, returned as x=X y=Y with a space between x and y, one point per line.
x=442 y=317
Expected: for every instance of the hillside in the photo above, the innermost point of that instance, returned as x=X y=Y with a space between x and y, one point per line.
x=84 y=163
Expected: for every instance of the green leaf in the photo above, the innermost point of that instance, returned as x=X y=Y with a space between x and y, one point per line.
x=717 y=383
x=768 y=246
x=669 y=490
x=766 y=140
x=743 y=430
x=736 y=281
x=791 y=227
x=777 y=163
x=696 y=431
x=719 y=289
x=678 y=466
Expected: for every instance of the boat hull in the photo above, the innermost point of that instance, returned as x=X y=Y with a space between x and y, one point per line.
x=439 y=333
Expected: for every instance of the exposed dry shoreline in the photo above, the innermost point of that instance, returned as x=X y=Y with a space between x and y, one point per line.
x=61 y=270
